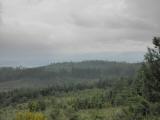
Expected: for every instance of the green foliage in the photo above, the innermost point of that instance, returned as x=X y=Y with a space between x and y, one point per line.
x=155 y=109
x=90 y=102
x=151 y=72
x=57 y=114
x=75 y=117
x=35 y=106
x=60 y=73
x=137 y=110
x=29 y=116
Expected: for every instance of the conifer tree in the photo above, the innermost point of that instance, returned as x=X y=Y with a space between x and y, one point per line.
x=151 y=72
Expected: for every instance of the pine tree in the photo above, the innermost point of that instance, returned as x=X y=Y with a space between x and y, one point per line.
x=151 y=72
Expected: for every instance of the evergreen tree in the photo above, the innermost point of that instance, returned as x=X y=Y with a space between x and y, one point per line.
x=151 y=72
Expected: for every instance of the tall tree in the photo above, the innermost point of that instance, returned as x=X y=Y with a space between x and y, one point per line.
x=151 y=72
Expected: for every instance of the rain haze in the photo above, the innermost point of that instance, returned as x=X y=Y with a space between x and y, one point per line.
x=38 y=32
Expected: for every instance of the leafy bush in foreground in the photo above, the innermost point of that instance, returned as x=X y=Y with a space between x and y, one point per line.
x=30 y=116
x=35 y=106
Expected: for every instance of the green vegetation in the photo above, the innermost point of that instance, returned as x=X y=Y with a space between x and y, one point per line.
x=64 y=73
x=29 y=116
x=90 y=90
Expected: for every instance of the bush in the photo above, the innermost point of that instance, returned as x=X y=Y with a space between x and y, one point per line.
x=141 y=107
x=155 y=108
x=122 y=97
x=138 y=109
x=89 y=102
x=122 y=115
x=57 y=114
x=29 y=116
x=42 y=105
x=36 y=106
x=75 y=117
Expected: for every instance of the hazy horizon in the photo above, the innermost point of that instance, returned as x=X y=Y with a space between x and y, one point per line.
x=129 y=57
x=39 y=32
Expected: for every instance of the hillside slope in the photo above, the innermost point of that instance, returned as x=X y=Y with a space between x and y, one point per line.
x=58 y=73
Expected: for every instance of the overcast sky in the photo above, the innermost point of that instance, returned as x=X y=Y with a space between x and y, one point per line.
x=35 y=32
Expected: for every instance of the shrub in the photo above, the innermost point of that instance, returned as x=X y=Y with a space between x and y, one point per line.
x=141 y=107
x=57 y=114
x=155 y=108
x=29 y=116
x=89 y=102
x=75 y=117
x=138 y=109
x=42 y=105
x=36 y=106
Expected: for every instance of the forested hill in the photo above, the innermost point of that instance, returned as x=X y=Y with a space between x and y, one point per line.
x=67 y=71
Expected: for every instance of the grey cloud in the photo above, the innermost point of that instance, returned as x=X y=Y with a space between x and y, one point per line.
x=50 y=28
x=147 y=9
x=129 y=25
x=0 y=13
x=33 y=1
x=23 y=43
x=118 y=22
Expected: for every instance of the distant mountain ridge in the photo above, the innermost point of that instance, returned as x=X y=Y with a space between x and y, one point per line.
x=35 y=61
x=57 y=73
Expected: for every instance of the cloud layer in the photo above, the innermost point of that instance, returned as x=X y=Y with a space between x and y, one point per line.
x=38 y=29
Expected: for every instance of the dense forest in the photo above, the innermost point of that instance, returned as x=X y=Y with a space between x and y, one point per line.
x=58 y=73
x=88 y=90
